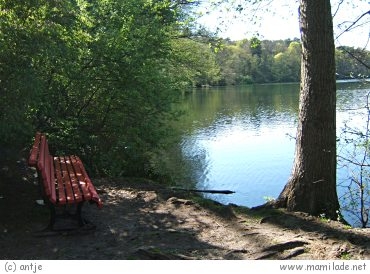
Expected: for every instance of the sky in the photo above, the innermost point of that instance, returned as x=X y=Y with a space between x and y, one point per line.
x=278 y=19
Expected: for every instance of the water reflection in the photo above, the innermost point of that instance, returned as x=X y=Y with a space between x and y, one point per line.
x=243 y=135
x=240 y=138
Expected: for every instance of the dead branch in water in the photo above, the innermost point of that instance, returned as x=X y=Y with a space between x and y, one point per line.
x=205 y=190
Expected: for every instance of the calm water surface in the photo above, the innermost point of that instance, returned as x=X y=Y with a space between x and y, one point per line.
x=242 y=138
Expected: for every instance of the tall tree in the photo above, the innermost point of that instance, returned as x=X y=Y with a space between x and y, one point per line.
x=312 y=185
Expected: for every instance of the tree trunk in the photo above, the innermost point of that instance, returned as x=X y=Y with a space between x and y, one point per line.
x=312 y=185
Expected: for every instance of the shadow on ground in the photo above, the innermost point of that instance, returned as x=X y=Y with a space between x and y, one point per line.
x=130 y=226
x=143 y=220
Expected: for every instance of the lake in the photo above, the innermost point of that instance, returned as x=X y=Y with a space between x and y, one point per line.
x=242 y=138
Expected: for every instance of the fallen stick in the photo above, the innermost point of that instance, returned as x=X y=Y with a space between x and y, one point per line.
x=205 y=191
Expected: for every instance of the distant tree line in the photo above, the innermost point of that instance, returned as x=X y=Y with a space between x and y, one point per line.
x=256 y=61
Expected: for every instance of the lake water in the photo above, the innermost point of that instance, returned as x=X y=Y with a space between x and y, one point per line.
x=242 y=138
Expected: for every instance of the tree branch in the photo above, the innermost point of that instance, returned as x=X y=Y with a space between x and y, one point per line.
x=356 y=58
x=339 y=4
x=353 y=23
x=205 y=191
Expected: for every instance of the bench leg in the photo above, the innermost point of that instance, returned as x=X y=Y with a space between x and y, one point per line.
x=75 y=216
x=66 y=214
x=81 y=221
x=52 y=216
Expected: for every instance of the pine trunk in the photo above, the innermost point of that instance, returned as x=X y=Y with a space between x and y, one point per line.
x=312 y=185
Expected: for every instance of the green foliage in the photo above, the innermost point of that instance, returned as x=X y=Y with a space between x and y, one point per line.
x=256 y=46
x=100 y=78
x=256 y=61
x=196 y=61
x=286 y=66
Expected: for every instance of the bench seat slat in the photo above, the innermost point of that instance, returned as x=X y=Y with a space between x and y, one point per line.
x=81 y=179
x=66 y=180
x=94 y=195
x=73 y=179
x=61 y=191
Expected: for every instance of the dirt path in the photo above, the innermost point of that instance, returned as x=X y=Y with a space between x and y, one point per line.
x=142 y=220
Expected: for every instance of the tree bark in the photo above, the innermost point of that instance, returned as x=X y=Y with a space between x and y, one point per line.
x=312 y=185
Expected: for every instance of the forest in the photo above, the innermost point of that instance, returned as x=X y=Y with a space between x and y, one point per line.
x=264 y=61
x=101 y=77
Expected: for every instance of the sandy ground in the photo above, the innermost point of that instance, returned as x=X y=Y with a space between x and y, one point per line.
x=143 y=220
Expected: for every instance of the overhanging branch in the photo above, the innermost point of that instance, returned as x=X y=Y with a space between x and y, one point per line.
x=353 y=23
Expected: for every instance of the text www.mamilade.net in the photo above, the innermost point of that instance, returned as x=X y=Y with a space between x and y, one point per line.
x=330 y=266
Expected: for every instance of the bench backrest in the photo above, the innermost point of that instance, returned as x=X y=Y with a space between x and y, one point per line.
x=41 y=159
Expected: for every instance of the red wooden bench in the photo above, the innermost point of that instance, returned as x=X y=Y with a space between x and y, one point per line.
x=63 y=180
